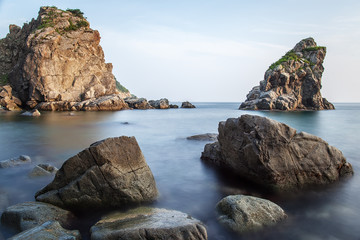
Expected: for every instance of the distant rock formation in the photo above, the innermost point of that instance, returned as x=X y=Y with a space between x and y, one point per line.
x=274 y=155
x=56 y=57
x=187 y=104
x=293 y=82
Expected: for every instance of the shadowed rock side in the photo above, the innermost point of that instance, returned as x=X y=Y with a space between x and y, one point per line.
x=293 y=82
x=56 y=57
x=275 y=155
x=243 y=213
x=149 y=223
x=110 y=173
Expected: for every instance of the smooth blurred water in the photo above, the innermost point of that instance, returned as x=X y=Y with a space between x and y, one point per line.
x=185 y=183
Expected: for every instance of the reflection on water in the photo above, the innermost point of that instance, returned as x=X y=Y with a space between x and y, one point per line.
x=185 y=183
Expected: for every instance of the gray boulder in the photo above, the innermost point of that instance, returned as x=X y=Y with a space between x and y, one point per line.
x=204 y=137
x=22 y=159
x=245 y=213
x=173 y=106
x=273 y=154
x=187 y=105
x=43 y=169
x=50 y=230
x=110 y=173
x=137 y=103
x=149 y=223
x=160 y=104
x=27 y=215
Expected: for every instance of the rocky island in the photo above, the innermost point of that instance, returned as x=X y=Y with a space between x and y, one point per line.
x=293 y=82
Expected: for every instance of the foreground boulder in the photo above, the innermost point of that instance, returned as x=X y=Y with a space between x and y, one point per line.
x=50 y=230
x=56 y=57
x=187 y=105
x=245 y=213
x=273 y=154
x=149 y=223
x=293 y=82
x=160 y=104
x=7 y=99
x=110 y=173
x=22 y=159
x=27 y=215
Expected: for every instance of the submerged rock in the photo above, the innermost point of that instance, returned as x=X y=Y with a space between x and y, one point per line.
x=187 y=105
x=149 y=223
x=293 y=82
x=110 y=173
x=245 y=213
x=33 y=113
x=44 y=169
x=273 y=154
x=50 y=230
x=22 y=159
x=160 y=104
x=173 y=106
x=27 y=215
x=204 y=137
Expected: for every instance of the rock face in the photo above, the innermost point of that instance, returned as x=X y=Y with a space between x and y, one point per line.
x=275 y=155
x=22 y=159
x=293 y=82
x=160 y=104
x=50 y=230
x=27 y=215
x=187 y=105
x=110 y=173
x=56 y=57
x=149 y=223
x=245 y=213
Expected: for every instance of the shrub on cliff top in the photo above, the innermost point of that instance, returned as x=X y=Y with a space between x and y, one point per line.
x=76 y=12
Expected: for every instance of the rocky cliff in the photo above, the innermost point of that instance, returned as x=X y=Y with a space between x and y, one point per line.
x=56 y=57
x=293 y=82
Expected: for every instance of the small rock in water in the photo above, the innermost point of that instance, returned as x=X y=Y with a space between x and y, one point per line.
x=50 y=230
x=33 y=113
x=245 y=213
x=149 y=223
x=22 y=159
x=187 y=105
x=204 y=137
x=44 y=169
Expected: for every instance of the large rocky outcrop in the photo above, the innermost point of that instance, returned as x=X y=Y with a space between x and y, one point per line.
x=56 y=57
x=149 y=223
x=293 y=82
x=273 y=154
x=246 y=213
x=110 y=173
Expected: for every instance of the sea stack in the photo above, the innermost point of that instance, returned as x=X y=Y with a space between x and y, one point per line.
x=293 y=82
x=56 y=58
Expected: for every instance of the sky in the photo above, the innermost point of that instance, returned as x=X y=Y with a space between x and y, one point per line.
x=212 y=50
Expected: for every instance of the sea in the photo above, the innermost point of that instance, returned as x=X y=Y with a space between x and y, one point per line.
x=184 y=181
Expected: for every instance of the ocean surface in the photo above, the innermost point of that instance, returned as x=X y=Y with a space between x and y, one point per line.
x=184 y=181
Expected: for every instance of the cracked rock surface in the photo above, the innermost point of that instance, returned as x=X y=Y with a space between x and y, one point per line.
x=149 y=223
x=273 y=154
x=110 y=173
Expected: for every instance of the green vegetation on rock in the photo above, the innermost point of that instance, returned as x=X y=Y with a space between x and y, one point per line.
x=290 y=55
x=76 y=12
x=4 y=79
x=314 y=48
x=120 y=87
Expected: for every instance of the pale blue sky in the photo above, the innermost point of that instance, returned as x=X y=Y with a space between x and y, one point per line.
x=212 y=50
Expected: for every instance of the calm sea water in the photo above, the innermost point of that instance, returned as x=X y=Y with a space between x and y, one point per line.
x=185 y=183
